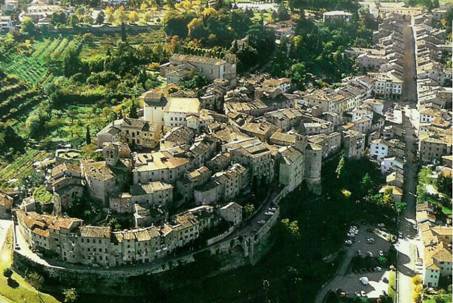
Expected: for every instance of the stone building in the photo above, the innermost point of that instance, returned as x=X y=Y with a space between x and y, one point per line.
x=73 y=242
x=159 y=166
x=100 y=179
x=255 y=155
x=212 y=68
x=353 y=144
x=313 y=163
x=156 y=194
x=291 y=167
x=67 y=182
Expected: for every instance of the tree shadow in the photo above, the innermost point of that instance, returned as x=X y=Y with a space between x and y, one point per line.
x=12 y=283
x=403 y=259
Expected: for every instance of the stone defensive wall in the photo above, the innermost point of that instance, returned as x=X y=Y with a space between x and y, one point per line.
x=237 y=248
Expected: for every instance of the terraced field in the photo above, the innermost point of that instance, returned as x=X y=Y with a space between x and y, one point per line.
x=26 y=68
x=16 y=97
x=11 y=174
x=101 y=43
x=33 y=69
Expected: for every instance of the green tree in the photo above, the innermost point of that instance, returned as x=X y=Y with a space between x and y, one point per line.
x=282 y=12
x=133 y=110
x=35 y=279
x=248 y=210
x=440 y=299
x=87 y=135
x=366 y=184
x=291 y=227
x=400 y=206
x=27 y=27
x=58 y=18
x=175 y=24
x=100 y=18
x=240 y=23
x=7 y=272
x=36 y=122
x=71 y=61
x=73 y=21
x=261 y=39
x=339 y=171
x=297 y=75
x=387 y=197
x=10 y=139
x=70 y=295
x=444 y=184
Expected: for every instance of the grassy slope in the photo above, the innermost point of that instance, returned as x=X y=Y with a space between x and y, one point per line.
x=24 y=292
x=447 y=297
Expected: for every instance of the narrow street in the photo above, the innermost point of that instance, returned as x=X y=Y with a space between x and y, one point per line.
x=410 y=71
x=406 y=246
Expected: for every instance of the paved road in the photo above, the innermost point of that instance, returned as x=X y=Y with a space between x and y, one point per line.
x=4 y=227
x=406 y=246
x=410 y=70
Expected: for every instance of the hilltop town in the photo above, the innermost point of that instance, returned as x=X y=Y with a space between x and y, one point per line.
x=209 y=150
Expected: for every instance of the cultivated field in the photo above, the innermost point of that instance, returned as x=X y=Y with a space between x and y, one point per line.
x=11 y=174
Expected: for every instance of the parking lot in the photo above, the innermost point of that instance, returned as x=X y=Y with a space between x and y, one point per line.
x=361 y=246
x=353 y=287
x=348 y=281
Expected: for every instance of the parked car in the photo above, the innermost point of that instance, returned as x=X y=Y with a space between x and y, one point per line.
x=371 y=240
x=340 y=292
x=364 y=281
x=348 y=242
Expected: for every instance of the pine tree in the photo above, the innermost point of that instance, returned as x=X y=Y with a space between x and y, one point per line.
x=123 y=32
x=133 y=110
x=88 y=135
